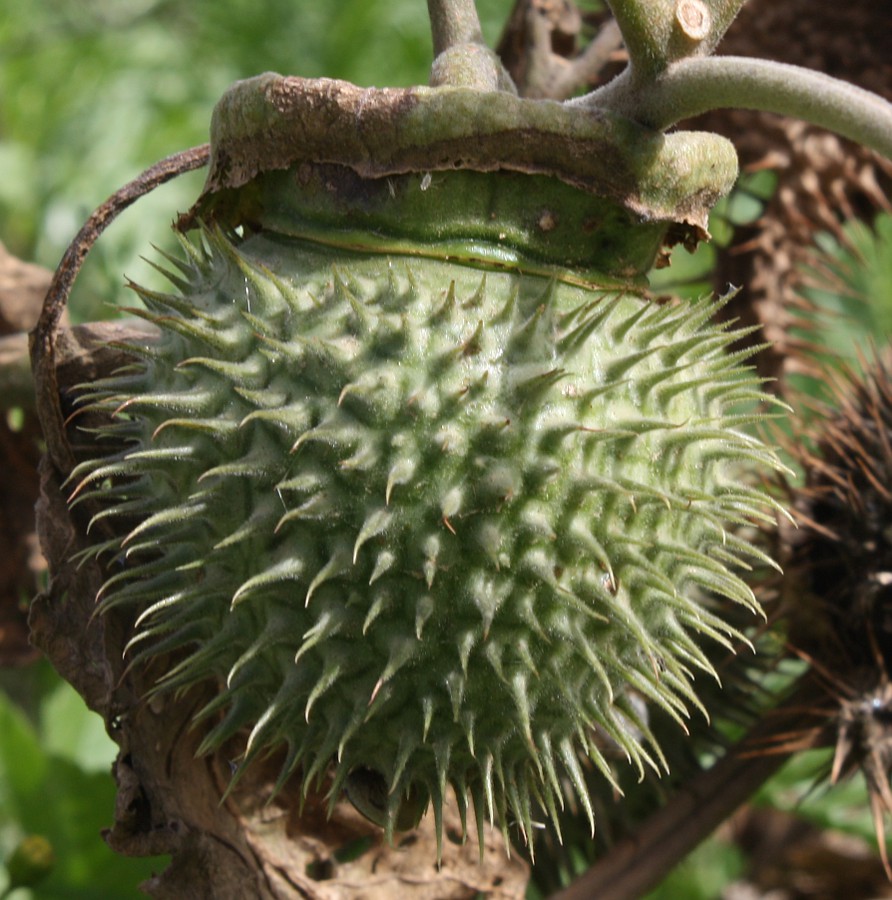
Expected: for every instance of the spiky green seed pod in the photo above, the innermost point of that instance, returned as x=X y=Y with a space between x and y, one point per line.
x=434 y=512
x=424 y=519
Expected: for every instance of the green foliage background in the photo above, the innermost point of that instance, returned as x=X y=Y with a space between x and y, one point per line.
x=91 y=93
x=94 y=91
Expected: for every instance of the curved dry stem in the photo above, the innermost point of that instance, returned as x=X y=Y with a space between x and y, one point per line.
x=44 y=335
x=696 y=85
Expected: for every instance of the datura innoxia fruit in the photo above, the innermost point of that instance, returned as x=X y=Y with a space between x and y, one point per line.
x=431 y=519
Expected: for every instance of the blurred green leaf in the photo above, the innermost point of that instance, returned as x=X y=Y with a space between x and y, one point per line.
x=802 y=788
x=849 y=282
x=689 y=275
x=703 y=874
x=44 y=793
x=30 y=862
x=72 y=732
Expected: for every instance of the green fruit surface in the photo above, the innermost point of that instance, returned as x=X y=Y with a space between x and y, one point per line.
x=424 y=522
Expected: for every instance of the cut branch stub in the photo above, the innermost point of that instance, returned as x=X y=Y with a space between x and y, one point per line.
x=659 y=32
x=665 y=184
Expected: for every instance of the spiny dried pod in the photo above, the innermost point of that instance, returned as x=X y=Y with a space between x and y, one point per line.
x=840 y=602
x=414 y=472
x=844 y=548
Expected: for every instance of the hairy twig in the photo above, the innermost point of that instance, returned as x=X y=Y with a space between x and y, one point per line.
x=453 y=22
x=696 y=85
x=461 y=57
x=656 y=32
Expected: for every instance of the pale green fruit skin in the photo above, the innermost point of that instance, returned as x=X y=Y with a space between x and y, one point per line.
x=425 y=519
